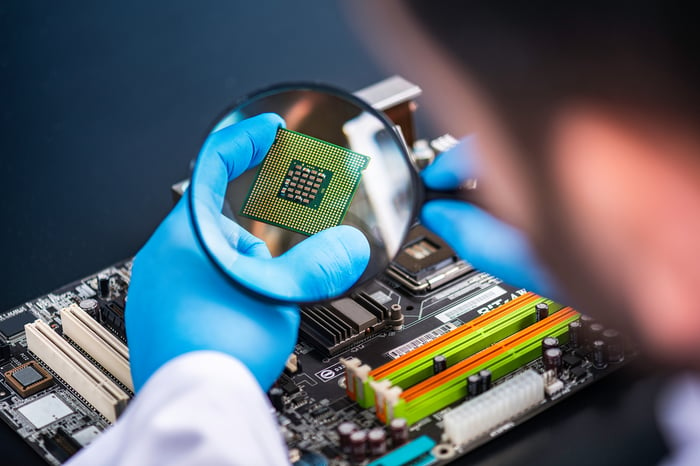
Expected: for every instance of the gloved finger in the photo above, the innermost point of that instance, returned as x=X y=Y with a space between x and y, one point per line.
x=452 y=167
x=320 y=267
x=229 y=152
x=488 y=244
x=243 y=241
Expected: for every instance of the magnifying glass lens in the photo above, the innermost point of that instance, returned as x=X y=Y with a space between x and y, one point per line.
x=315 y=175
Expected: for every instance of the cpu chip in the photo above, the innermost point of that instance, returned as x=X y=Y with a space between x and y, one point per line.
x=304 y=184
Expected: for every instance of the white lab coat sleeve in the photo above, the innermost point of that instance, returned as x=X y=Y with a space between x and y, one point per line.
x=201 y=408
x=678 y=411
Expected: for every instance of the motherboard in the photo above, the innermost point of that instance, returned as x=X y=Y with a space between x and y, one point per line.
x=420 y=366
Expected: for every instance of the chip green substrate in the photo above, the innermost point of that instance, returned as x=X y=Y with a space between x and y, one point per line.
x=304 y=184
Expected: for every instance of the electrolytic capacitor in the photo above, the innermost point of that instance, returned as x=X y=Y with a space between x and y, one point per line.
x=103 y=286
x=345 y=430
x=358 y=446
x=586 y=322
x=615 y=344
x=575 y=334
x=541 y=311
x=549 y=342
x=595 y=332
x=398 y=429
x=485 y=376
x=89 y=305
x=376 y=438
x=276 y=396
x=552 y=359
x=439 y=363
x=600 y=357
x=473 y=385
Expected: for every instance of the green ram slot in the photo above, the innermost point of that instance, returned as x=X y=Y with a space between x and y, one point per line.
x=456 y=390
x=471 y=344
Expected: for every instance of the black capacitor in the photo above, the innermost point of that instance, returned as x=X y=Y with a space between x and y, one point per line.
x=358 y=446
x=276 y=396
x=595 y=332
x=549 y=342
x=5 y=351
x=89 y=305
x=103 y=286
x=439 y=363
x=473 y=385
x=345 y=430
x=485 y=380
x=552 y=359
x=376 y=438
x=616 y=346
x=398 y=429
x=575 y=334
x=541 y=311
x=600 y=356
x=586 y=322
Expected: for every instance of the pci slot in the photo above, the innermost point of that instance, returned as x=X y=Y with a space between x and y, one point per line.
x=463 y=342
x=449 y=386
x=99 y=343
x=94 y=386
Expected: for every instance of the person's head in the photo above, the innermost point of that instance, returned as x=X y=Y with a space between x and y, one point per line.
x=587 y=122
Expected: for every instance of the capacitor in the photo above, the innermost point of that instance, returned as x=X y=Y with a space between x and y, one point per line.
x=549 y=342
x=398 y=429
x=89 y=305
x=616 y=346
x=575 y=334
x=103 y=286
x=473 y=385
x=358 y=446
x=376 y=438
x=5 y=351
x=345 y=430
x=276 y=396
x=439 y=363
x=552 y=359
x=541 y=311
x=585 y=322
x=595 y=332
x=600 y=357
x=485 y=380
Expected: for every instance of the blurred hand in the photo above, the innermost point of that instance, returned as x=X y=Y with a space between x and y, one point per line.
x=486 y=242
x=180 y=302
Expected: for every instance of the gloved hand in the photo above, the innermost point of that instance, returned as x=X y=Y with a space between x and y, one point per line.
x=486 y=242
x=179 y=301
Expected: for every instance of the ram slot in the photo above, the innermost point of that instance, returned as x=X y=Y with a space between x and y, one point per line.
x=98 y=342
x=467 y=340
x=450 y=386
x=67 y=362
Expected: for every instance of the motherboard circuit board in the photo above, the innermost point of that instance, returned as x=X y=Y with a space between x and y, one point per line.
x=408 y=370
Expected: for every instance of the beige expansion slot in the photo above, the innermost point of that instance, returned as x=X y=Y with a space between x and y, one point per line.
x=94 y=386
x=96 y=341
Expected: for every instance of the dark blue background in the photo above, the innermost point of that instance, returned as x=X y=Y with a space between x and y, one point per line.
x=104 y=105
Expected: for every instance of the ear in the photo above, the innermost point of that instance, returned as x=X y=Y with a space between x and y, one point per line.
x=631 y=191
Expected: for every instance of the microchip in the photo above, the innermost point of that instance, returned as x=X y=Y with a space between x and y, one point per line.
x=15 y=324
x=304 y=184
x=28 y=378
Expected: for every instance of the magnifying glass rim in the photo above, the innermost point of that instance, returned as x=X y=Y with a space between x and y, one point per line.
x=301 y=86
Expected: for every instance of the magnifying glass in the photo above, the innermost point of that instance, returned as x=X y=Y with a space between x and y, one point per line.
x=384 y=203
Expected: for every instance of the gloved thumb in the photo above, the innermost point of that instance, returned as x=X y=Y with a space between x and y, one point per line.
x=453 y=166
x=327 y=263
x=488 y=244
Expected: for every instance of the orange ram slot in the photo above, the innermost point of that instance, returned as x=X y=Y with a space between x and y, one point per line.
x=456 y=334
x=487 y=354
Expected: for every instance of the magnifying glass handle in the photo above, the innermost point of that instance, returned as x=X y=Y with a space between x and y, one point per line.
x=465 y=192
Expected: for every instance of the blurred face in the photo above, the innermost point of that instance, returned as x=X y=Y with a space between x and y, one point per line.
x=624 y=190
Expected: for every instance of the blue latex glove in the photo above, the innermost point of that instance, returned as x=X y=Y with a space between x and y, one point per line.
x=487 y=243
x=180 y=302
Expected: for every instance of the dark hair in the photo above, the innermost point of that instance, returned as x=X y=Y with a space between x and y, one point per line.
x=529 y=58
